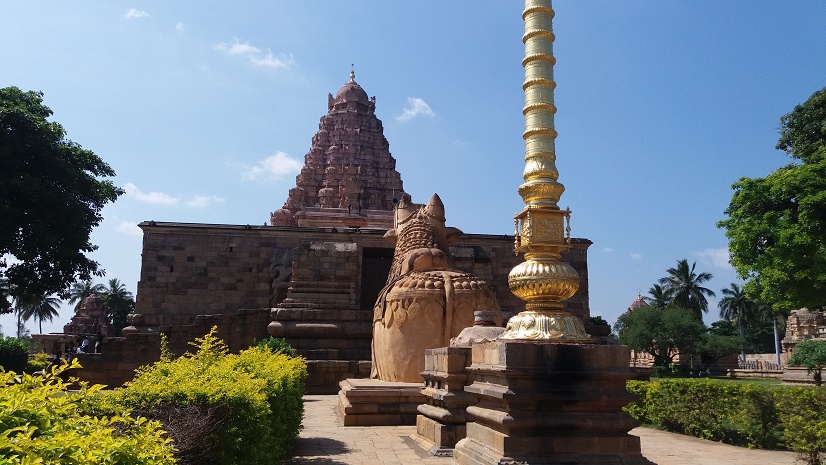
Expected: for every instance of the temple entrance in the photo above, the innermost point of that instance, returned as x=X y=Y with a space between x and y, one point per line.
x=375 y=266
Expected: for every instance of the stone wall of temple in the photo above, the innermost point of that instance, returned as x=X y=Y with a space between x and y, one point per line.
x=318 y=285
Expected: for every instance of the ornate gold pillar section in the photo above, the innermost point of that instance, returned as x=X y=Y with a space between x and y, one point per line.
x=542 y=280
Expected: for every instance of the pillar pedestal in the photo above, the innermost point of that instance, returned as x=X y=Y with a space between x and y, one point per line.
x=549 y=403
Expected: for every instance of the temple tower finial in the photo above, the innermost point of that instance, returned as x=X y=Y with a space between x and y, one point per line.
x=352 y=73
x=543 y=280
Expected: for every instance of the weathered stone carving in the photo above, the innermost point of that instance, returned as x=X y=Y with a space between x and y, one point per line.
x=426 y=301
x=281 y=269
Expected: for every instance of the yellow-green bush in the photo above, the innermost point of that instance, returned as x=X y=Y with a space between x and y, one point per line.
x=41 y=423
x=243 y=408
x=37 y=362
x=802 y=412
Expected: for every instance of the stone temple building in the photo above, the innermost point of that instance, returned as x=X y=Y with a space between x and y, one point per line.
x=312 y=275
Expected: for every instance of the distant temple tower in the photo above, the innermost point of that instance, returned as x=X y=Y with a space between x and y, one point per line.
x=349 y=178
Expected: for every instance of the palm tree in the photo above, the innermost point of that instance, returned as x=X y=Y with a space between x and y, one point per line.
x=735 y=306
x=660 y=297
x=40 y=308
x=82 y=289
x=119 y=303
x=765 y=313
x=686 y=289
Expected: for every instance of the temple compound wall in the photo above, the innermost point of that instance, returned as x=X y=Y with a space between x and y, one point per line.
x=315 y=287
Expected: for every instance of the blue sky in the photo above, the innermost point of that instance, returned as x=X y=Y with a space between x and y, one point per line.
x=205 y=111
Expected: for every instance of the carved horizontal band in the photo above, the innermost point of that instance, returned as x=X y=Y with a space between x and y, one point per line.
x=537 y=9
x=538 y=107
x=538 y=82
x=538 y=56
x=537 y=132
x=537 y=32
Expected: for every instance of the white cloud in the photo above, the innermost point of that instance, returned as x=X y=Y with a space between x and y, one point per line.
x=273 y=167
x=256 y=56
x=635 y=255
x=415 y=107
x=715 y=257
x=130 y=228
x=608 y=250
x=201 y=201
x=151 y=197
x=134 y=13
x=179 y=28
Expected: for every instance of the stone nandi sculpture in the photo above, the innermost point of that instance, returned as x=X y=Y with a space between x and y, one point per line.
x=426 y=301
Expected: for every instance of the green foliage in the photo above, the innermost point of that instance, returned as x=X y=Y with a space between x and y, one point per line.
x=802 y=412
x=38 y=362
x=244 y=408
x=51 y=196
x=775 y=224
x=742 y=414
x=685 y=289
x=14 y=353
x=812 y=355
x=41 y=423
x=660 y=332
x=278 y=345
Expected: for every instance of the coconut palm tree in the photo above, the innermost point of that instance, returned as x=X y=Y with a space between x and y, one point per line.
x=686 y=287
x=735 y=306
x=82 y=289
x=38 y=307
x=660 y=297
x=119 y=303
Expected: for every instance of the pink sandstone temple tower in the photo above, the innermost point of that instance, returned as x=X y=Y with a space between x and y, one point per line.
x=349 y=178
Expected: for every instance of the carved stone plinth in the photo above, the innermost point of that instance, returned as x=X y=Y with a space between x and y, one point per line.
x=548 y=403
x=370 y=402
x=441 y=421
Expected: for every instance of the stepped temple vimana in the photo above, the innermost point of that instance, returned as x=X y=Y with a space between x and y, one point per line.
x=487 y=351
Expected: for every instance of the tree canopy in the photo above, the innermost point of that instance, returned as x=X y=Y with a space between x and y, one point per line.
x=51 y=195
x=661 y=332
x=776 y=225
x=685 y=289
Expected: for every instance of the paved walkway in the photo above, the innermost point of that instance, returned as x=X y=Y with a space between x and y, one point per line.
x=324 y=442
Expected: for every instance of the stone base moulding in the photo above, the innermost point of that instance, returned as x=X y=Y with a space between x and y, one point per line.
x=549 y=403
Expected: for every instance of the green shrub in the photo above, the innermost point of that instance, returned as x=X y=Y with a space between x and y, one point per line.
x=41 y=423
x=802 y=412
x=243 y=408
x=37 y=362
x=741 y=414
x=14 y=353
x=637 y=408
x=277 y=344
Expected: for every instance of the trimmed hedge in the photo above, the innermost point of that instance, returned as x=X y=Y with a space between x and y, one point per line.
x=41 y=423
x=238 y=409
x=743 y=414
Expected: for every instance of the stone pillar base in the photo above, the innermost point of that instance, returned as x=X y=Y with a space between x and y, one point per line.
x=549 y=403
x=370 y=402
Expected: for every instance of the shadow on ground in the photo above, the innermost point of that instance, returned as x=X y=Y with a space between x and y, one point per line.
x=317 y=451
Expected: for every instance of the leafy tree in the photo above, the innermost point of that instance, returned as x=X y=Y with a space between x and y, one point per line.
x=811 y=354
x=660 y=297
x=119 y=303
x=776 y=224
x=661 y=332
x=51 y=195
x=735 y=306
x=686 y=287
x=82 y=289
x=40 y=308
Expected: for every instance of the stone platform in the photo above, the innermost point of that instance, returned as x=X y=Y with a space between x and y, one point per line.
x=370 y=402
x=549 y=403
